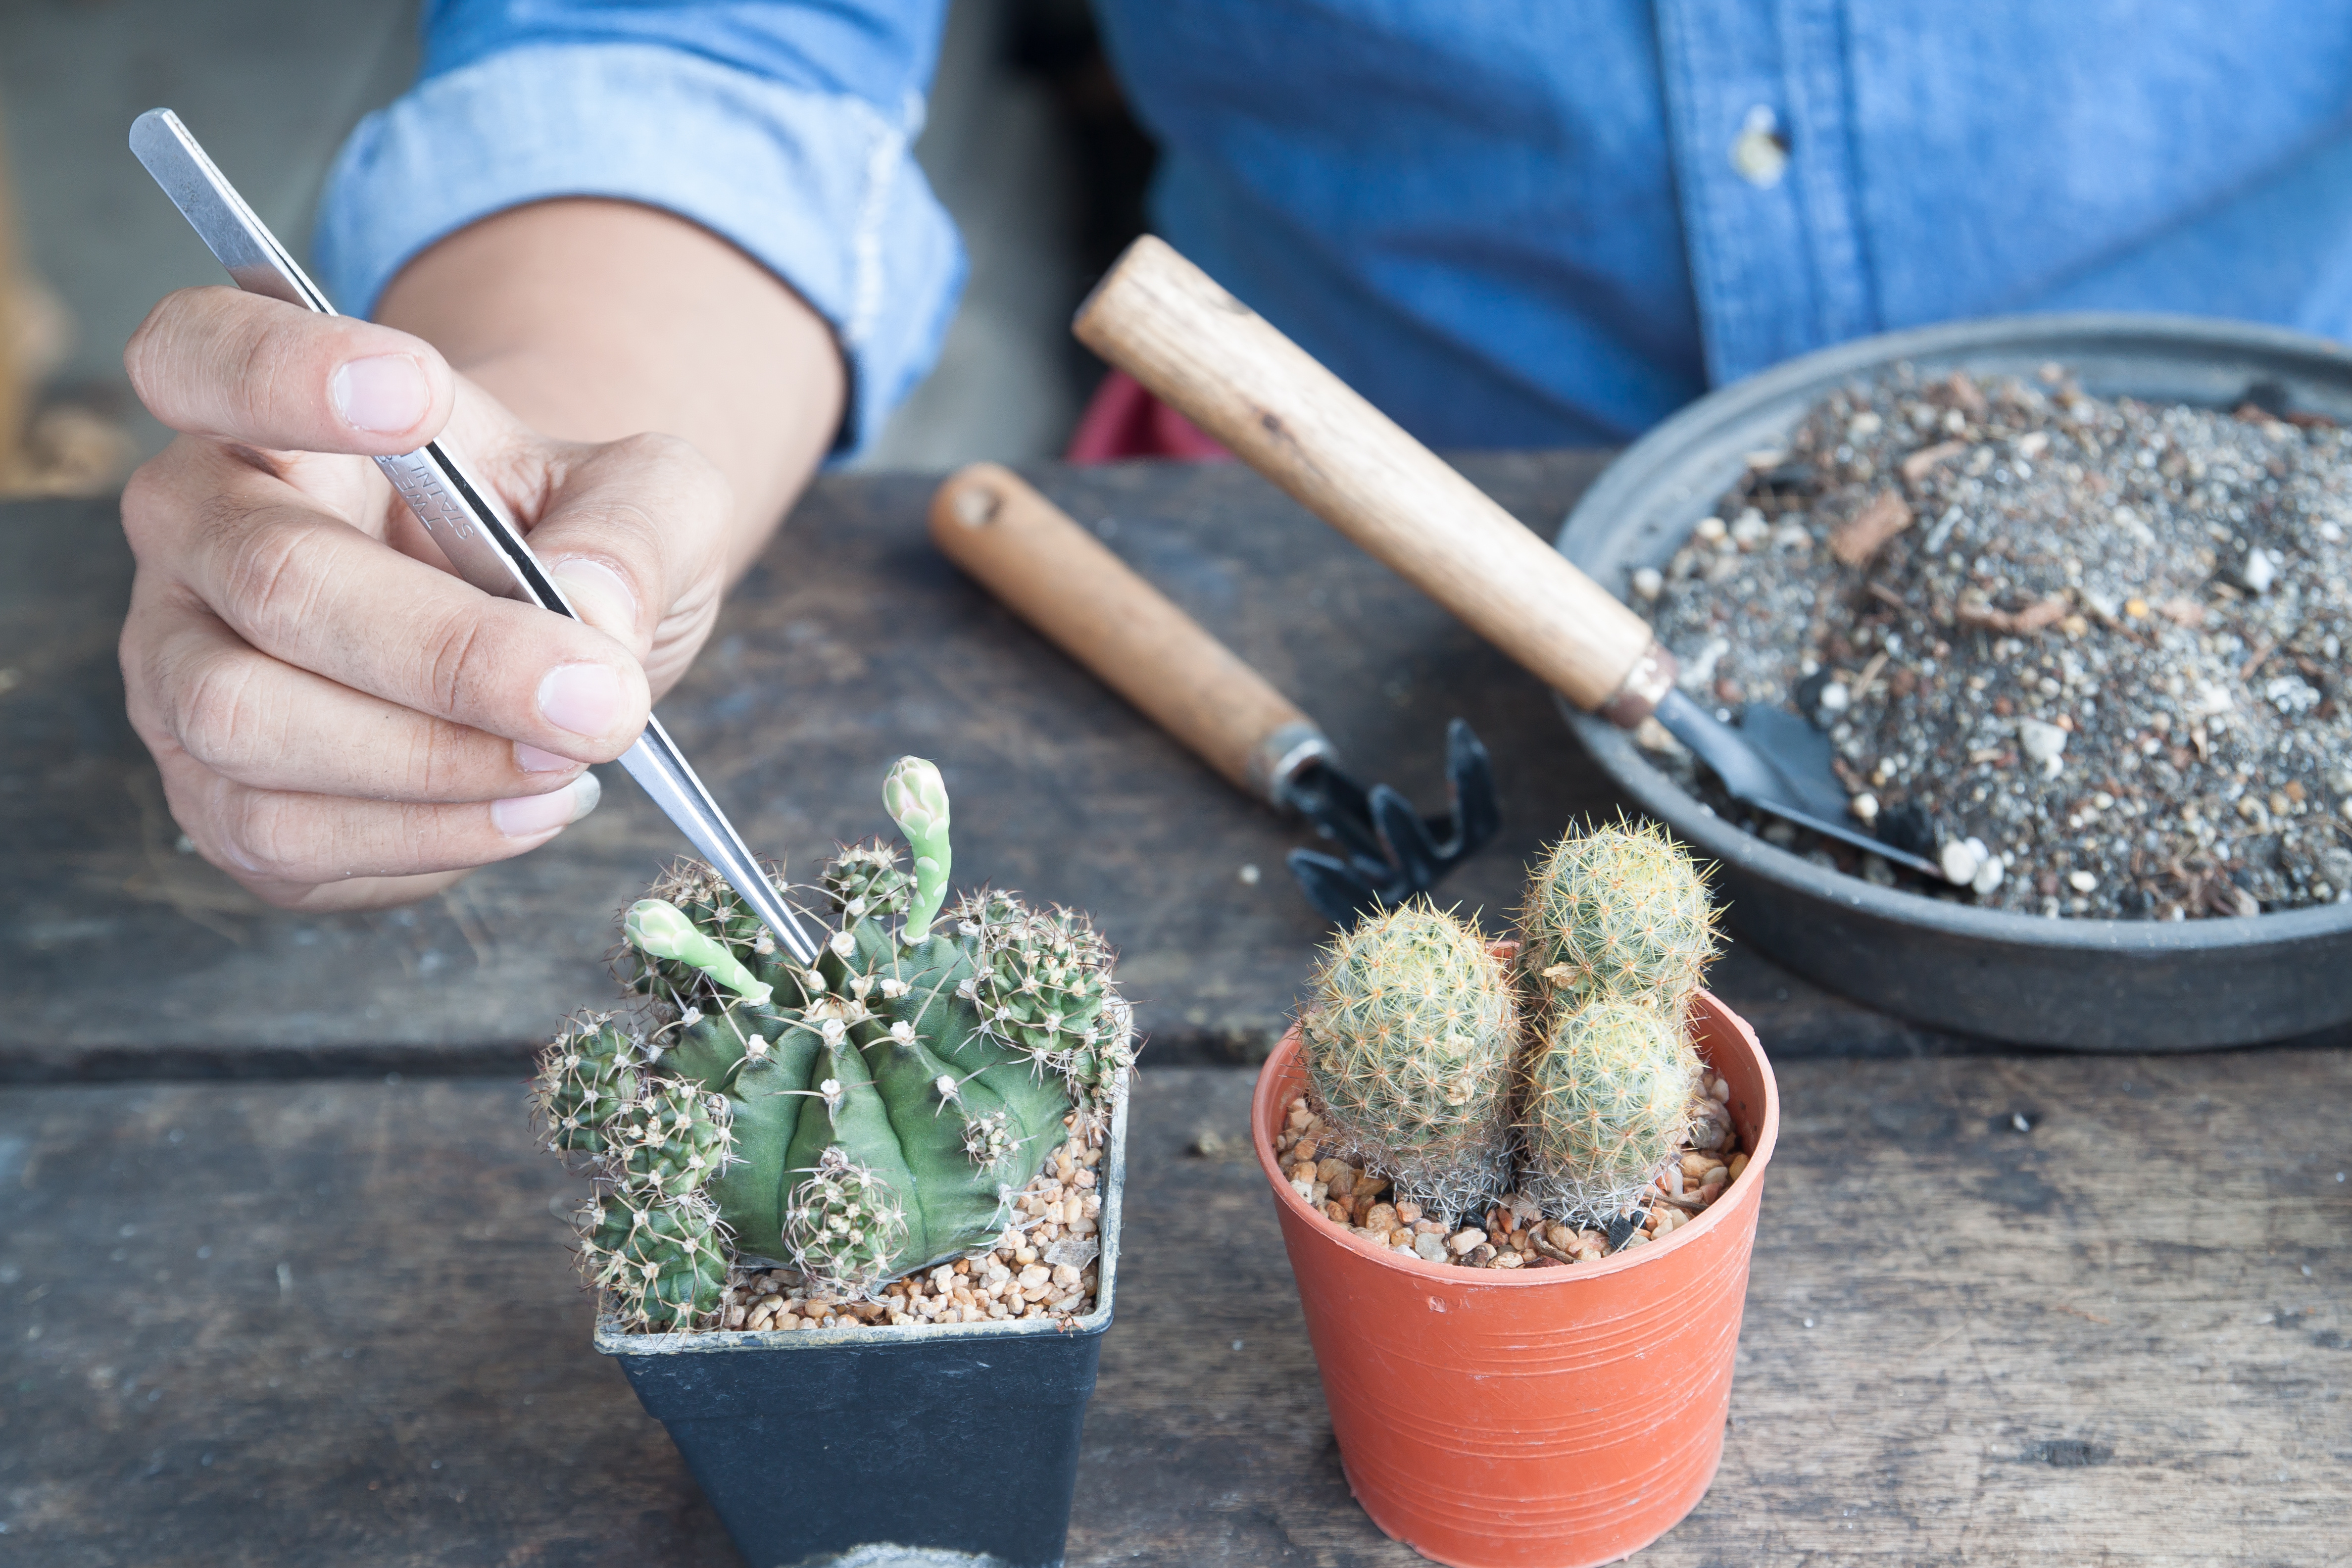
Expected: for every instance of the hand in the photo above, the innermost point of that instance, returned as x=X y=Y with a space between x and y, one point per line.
x=341 y=721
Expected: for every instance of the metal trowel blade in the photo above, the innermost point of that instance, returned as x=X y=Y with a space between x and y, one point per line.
x=1778 y=761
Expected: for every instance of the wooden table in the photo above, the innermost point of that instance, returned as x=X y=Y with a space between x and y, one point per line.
x=286 y=1283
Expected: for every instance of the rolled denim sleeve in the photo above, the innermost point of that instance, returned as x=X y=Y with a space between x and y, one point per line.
x=817 y=182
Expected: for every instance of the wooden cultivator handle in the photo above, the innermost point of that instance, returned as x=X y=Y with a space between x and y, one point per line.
x=1212 y=358
x=1059 y=578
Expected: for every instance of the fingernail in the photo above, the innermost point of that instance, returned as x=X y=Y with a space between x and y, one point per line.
x=529 y=815
x=585 y=698
x=386 y=394
x=602 y=595
x=530 y=758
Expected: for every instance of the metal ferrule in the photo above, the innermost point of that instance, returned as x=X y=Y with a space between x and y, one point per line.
x=1285 y=751
x=1638 y=695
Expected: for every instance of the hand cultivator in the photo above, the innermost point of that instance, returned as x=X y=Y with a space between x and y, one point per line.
x=1056 y=576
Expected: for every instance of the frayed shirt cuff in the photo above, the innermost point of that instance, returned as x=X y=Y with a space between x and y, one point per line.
x=819 y=187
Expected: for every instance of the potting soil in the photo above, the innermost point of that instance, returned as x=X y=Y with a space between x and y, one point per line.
x=2088 y=653
x=1044 y=1265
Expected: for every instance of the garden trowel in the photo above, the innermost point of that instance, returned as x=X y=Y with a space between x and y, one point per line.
x=1214 y=359
x=1059 y=578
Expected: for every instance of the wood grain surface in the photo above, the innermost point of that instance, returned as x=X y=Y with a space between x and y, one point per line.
x=333 y=1323
x=852 y=641
x=1212 y=359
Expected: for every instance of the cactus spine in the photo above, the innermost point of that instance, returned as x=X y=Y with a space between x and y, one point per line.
x=1408 y=1044
x=587 y=1077
x=856 y=1120
x=848 y=1227
x=1040 y=985
x=664 y=1260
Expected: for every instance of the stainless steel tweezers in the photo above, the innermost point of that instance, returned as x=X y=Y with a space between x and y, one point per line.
x=464 y=516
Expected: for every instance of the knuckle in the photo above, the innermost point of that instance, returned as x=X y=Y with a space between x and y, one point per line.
x=139 y=651
x=272 y=834
x=438 y=762
x=456 y=658
x=152 y=504
x=677 y=470
x=270 y=576
x=145 y=357
x=221 y=718
x=255 y=380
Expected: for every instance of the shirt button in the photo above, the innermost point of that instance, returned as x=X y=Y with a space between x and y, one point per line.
x=1760 y=152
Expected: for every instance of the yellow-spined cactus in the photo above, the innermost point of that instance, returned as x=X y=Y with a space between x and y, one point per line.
x=1407 y=1043
x=1605 y=1103
x=1620 y=911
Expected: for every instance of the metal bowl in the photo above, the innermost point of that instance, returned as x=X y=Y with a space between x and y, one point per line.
x=2088 y=984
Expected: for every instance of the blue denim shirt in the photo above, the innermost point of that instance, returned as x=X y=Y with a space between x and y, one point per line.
x=1508 y=222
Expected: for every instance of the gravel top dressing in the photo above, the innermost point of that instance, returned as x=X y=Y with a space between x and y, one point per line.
x=2088 y=654
x=1513 y=1232
x=1044 y=1266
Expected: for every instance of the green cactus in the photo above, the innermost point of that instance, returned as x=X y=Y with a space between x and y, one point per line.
x=672 y=1140
x=587 y=1075
x=865 y=879
x=1616 y=934
x=1407 y=1043
x=664 y=1260
x=857 y=1119
x=1618 y=912
x=848 y=1230
x=1606 y=1103
x=1041 y=983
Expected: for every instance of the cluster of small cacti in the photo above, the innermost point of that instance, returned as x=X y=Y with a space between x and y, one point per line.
x=854 y=1120
x=1566 y=1077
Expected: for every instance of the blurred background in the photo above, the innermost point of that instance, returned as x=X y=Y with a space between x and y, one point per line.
x=1028 y=145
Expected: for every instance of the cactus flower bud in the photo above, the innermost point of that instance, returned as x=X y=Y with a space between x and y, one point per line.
x=917 y=801
x=663 y=929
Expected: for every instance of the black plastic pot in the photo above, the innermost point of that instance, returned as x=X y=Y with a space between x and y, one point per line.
x=2089 y=984
x=955 y=1444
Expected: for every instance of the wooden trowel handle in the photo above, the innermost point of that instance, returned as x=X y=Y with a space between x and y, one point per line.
x=1059 y=578
x=1212 y=358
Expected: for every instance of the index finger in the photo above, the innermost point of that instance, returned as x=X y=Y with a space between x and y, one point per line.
x=242 y=367
x=318 y=594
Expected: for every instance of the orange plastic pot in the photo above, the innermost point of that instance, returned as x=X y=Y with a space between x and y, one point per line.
x=1554 y=1417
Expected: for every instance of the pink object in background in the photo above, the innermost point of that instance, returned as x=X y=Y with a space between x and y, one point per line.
x=1123 y=421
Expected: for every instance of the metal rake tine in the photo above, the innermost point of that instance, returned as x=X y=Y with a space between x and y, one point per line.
x=1340 y=811
x=1333 y=887
x=1414 y=857
x=1477 y=811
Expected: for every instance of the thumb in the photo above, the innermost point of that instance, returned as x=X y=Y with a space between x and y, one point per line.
x=635 y=535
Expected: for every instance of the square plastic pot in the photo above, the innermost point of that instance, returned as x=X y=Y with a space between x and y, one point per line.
x=952 y=1443
x=1551 y=1417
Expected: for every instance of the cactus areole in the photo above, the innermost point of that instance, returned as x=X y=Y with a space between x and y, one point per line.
x=855 y=1120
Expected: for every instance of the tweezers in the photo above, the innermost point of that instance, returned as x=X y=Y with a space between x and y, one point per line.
x=464 y=516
